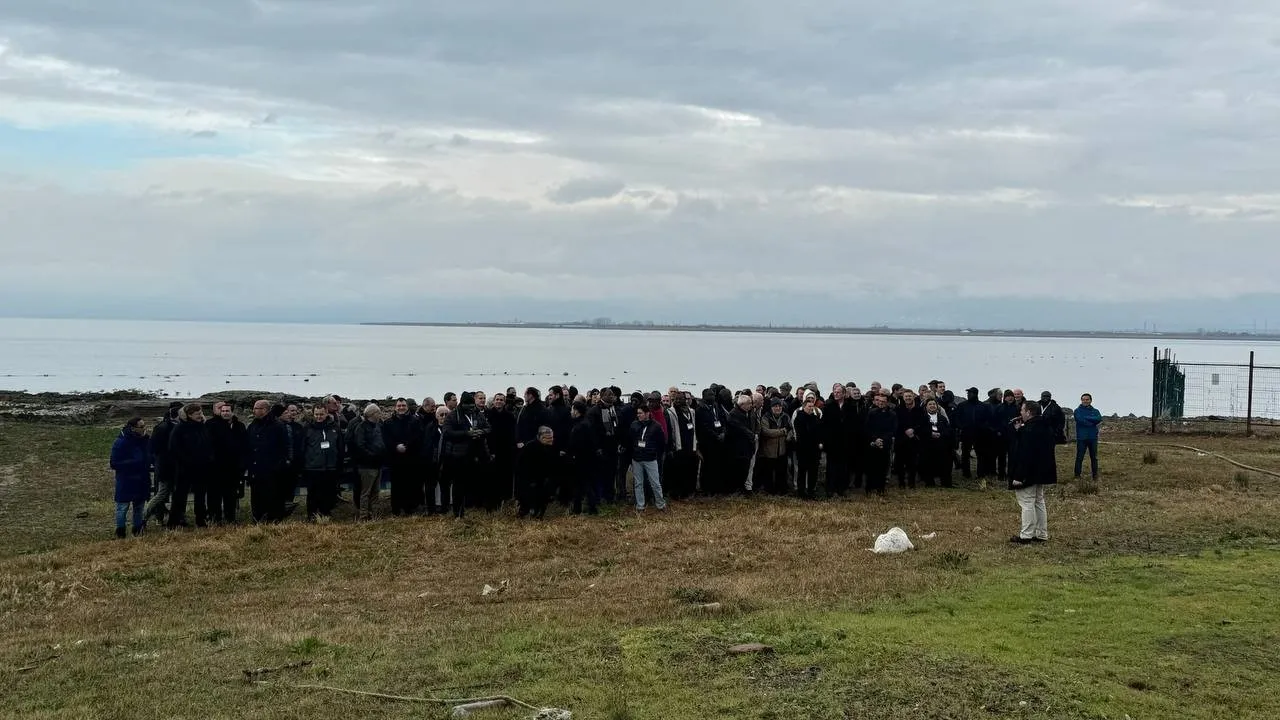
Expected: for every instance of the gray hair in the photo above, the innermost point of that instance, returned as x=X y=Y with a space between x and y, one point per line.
x=544 y=430
x=371 y=409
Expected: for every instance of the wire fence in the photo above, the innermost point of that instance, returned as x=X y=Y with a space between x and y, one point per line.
x=1235 y=394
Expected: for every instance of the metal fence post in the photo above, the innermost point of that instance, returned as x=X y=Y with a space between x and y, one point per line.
x=1155 y=384
x=1248 y=419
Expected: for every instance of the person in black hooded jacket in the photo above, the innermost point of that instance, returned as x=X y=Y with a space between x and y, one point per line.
x=192 y=460
x=532 y=416
x=969 y=420
x=1053 y=414
x=266 y=461
x=907 y=446
x=560 y=420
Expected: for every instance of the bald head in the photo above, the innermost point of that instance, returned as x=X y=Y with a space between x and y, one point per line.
x=261 y=408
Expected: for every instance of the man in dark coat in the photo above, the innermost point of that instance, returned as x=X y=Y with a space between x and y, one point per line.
x=403 y=437
x=192 y=459
x=465 y=458
x=969 y=420
x=229 y=439
x=882 y=428
x=266 y=462
x=163 y=463
x=711 y=431
x=368 y=451
x=583 y=460
x=908 y=445
x=536 y=473
x=1033 y=467
x=837 y=428
x=740 y=445
x=502 y=445
x=606 y=424
x=1052 y=413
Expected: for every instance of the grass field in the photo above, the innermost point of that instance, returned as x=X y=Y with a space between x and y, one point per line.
x=1155 y=599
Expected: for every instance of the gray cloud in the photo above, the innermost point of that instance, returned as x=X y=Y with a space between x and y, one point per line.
x=576 y=191
x=1116 y=151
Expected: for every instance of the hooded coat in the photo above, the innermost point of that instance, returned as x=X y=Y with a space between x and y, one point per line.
x=131 y=460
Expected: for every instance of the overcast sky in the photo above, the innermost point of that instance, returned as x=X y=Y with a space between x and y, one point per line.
x=714 y=160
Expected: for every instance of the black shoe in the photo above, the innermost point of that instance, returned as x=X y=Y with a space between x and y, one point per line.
x=1040 y=540
x=120 y=533
x=139 y=530
x=1018 y=540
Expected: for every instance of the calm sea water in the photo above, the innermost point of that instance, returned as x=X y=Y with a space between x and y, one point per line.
x=193 y=358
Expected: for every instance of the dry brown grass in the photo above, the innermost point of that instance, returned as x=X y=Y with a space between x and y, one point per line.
x=395 y=605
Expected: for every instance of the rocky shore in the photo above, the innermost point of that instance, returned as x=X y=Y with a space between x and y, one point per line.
x=95 y=408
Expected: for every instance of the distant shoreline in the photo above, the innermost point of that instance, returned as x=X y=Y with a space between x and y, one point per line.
x=793 y=330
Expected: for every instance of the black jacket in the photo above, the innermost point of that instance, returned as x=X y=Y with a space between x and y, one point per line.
x=970 y=416
x=532 y=416
x=925 y=430
x=650 y=434
x=502 y=432
x=367 y=447
x=160 y=449
x=740 y=439
x=882 y=425
x=808 y=430
x=403 y=430
x=1052 y=413
x=323 y=447
x=230 y=444
x=582 y=444
x=267 y=447
x=560 y=419
x=459 y=443
x=191 y=451
x=838 y=425
x=1032 y=461
x=909 y=418
x=606 y=426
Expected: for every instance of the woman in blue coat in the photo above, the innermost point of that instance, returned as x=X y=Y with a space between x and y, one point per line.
x=131 y=459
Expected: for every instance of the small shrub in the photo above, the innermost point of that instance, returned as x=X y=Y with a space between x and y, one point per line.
x=1242 y=481
x=309 y=645
x=215 y=636
x=1150 y=457
x=696 y=596
x=953 y=560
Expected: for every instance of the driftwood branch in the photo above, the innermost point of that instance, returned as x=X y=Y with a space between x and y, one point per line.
x=259 y=672
x=38 y=663
x=406 y=698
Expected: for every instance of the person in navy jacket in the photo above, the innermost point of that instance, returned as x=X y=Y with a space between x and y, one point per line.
x=131 y=460
x=1088 y=418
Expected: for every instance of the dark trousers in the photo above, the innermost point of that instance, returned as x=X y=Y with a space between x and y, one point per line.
x=1090 y=446
x=966 y=452
x=807 y=472
x=604 y=473
x=583 y=473
x=534 y=495
x=735 y=474
x=906 y=461
x=322 y=492
x=459 y=480
x=268 y=495
x=877 y=468
x=858 y=463
x=189 y=483
x=986 y=449
x=935 y=463
x=501 y=481
x=1001 y=445
x=222 y=495
x=711 y=474
x=406 y=488
x=680 y=475
x=837 y=471
x=771 y=475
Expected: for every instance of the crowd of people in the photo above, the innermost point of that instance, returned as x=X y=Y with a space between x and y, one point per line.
x=473 y=451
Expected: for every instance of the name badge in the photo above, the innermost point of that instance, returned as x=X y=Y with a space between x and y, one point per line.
x=689 y=426
x=640 y=444
x=324 y=445
x=717 y=424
